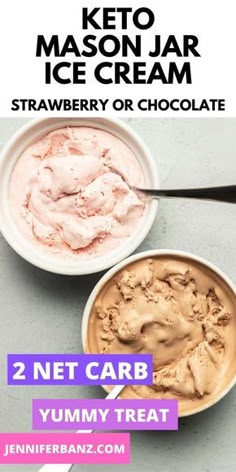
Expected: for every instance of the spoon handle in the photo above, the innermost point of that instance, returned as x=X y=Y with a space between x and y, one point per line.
x=67 y=467
x=220 y=194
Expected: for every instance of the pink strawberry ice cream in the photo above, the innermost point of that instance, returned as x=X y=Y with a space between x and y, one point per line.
x=67 y=200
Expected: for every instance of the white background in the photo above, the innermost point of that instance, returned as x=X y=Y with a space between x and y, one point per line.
x=213 y=74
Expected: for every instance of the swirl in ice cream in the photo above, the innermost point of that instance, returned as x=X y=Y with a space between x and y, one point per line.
x=64 y=191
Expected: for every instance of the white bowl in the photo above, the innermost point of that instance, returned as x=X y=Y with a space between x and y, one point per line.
x=147 y=254
x=29 y=134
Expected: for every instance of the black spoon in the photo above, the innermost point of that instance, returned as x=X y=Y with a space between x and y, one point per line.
x=226 y=193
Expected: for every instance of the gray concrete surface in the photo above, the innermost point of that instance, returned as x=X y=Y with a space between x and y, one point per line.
x=42 y=312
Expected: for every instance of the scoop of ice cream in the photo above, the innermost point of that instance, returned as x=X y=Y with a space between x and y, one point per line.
x=172 y=309
x=53 y=205
x=65 y=197
x=75 y=199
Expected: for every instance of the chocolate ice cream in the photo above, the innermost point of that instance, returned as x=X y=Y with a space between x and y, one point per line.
x=182 y=313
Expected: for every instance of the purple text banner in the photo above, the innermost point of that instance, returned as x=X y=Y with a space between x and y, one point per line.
x=105 y=414
x=80 y=369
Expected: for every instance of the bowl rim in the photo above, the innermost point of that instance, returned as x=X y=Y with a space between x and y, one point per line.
x=83 y=267
x=144 y=255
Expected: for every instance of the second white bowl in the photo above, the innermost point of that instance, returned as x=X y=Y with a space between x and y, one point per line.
x=149 y=254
